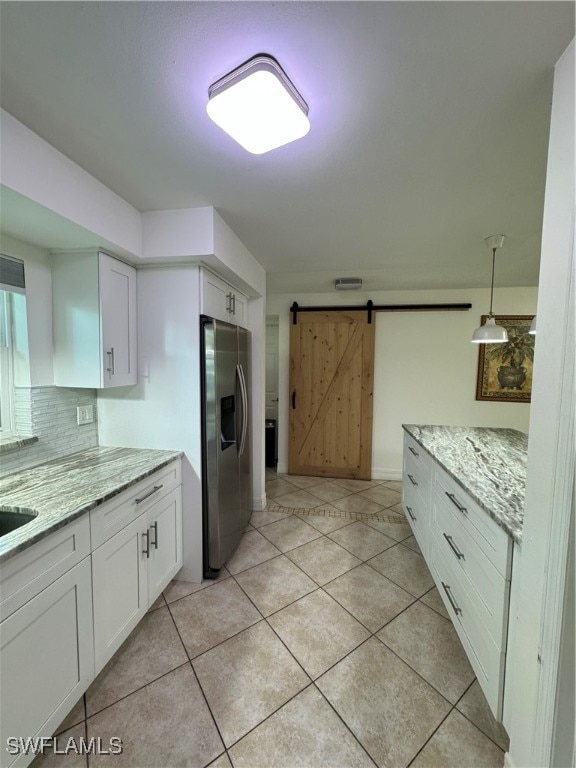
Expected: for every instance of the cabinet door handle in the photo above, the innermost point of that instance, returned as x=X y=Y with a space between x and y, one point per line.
x=110 y=354
x=147 y=495
x=229 y=302
x=413 y=451
x=233 y=297
x=155 y=527
x=146 y=551
x=456 y=503
x=453 y=547
x=409 y=510
x=293 y=399
x=453 y=603
x=412 y=480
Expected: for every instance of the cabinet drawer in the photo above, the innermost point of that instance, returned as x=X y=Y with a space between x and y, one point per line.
x=32 y=570
x=486 y=657
x=418 y=455
x=417 y=513
x=483 y=582
x=489 y=537
x=417 y=475
x=109 y=518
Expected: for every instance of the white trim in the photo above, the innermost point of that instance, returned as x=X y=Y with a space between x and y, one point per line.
x=282 y=469
x=508 y=762
x=259 y=503
x=386 y=474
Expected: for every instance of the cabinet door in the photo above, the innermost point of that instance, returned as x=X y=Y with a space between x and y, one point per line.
x=165 y=519
x=47 y=659
x=239 y=309
x=119 y=577
x=215 y=299
x=118 y=321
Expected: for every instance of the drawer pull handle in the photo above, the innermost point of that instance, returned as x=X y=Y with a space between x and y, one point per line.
x=456 y=503
x=147 y=495
x=412 y=480
x=453 y=547
x=146 y=551
x=413 y=451
x=409 y=510
x=155 y=542
x=453 y=603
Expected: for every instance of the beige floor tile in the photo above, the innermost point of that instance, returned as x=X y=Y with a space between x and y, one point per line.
x=396 y=485
x=356 y=504
x=153 y=649
x=433 y=600
x=398 y=508
x=221 y=762
x=362 y=540
x=326 y=524
x=306 y=732
x=474 y=705
x=406 y=568
x=356 y=485
x=253 y=549
x=395 y=526
x=167 y=723
x=429 y=644
x=328 y=491
x=303 y=481
x=370 y=597
x=458 y=743
x=275 y=584
x=386 y=497
x=266 y=516
x=77 y=715
x=318 y=631
x=323 y=559
x=299 y=499
x=278 y=487
x=412 y=543
x=388 y=707
x=178 y=589
x=213 y=615
x=290 y=533
x=69 y=739
x=247 y=678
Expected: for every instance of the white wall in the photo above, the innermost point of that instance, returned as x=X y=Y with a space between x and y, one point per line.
x=425 y=366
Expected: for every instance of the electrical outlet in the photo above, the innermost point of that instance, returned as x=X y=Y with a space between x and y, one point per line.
x=85 y=414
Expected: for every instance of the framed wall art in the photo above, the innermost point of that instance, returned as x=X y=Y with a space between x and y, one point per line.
x=505 y=370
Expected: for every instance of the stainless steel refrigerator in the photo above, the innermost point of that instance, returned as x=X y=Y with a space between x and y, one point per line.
x=226 y=463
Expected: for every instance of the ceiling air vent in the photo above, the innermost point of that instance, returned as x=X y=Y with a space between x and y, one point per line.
x=347 y=283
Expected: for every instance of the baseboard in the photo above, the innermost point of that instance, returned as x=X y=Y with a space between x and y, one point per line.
x=282 y=469
x=508 y=762
x=259 y=503
x=386 y=474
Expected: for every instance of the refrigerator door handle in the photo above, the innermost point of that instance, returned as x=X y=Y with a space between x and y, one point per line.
x=244 y=431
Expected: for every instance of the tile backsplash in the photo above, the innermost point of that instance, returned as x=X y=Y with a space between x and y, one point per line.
x=49 y=413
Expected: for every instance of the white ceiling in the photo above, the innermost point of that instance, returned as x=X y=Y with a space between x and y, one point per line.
x=429 y=125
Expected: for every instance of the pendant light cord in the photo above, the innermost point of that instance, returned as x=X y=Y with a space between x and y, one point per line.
x=492 y=285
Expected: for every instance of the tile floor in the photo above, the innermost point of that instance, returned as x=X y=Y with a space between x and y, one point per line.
x=323 y=644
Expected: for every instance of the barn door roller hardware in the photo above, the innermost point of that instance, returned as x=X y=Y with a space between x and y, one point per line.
x=370 y=307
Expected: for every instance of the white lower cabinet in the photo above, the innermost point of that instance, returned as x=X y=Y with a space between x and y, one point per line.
x=46 y=660
x=131 y=569
x=470 y=559
x=65 y=610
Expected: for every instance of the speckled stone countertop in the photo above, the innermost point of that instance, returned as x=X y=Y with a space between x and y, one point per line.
x=489 y=464
x=62 y=490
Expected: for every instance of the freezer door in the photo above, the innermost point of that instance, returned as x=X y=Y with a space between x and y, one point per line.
x=245 y=447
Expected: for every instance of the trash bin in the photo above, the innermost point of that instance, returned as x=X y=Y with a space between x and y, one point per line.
x=270 y=443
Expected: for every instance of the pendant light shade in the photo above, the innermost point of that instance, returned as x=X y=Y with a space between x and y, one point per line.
x=490 y=333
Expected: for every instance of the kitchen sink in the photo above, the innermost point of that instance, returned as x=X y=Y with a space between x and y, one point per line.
x=9 y=521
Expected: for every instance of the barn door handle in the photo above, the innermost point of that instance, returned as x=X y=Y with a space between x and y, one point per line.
x=293 y=399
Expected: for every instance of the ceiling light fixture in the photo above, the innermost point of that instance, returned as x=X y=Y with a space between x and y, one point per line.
x=347 y=283
x=490 y=333
x=258 y=106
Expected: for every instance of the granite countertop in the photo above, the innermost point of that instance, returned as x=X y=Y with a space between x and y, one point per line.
x=62 y=490
x=489 y=464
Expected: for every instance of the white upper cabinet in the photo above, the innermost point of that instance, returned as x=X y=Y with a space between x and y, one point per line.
x=221 y=300
x=94 y=297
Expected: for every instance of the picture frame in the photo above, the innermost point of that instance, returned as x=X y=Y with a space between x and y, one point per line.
x=505 y=370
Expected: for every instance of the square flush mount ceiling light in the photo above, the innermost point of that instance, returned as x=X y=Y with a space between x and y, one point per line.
x=257 y=105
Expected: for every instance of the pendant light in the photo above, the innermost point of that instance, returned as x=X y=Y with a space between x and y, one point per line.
x=490 y=333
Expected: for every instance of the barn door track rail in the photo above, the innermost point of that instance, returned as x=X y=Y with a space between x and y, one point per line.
x=370 y=307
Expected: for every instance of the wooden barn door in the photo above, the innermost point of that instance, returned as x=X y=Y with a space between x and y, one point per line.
x=331 y=387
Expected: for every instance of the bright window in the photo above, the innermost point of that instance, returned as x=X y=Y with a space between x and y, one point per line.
x=6 y=366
